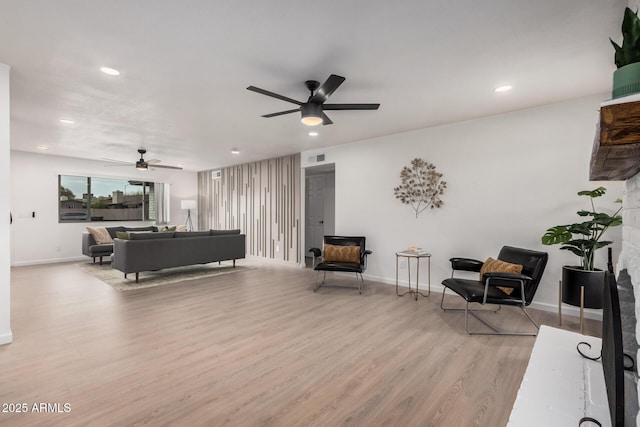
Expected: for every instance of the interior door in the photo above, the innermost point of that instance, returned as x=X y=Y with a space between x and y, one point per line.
x=314 y=208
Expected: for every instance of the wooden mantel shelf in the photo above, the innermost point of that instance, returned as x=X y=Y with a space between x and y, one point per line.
x=616 y=149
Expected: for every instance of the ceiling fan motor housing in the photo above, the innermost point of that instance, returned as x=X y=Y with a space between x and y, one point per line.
x=311 y=109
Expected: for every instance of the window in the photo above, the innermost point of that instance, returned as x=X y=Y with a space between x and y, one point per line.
x=83 y=198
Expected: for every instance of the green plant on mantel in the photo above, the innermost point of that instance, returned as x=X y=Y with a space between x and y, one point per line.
x=629 y=52
x=583 y=238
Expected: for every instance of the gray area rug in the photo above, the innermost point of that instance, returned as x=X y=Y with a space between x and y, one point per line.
x=148 y=279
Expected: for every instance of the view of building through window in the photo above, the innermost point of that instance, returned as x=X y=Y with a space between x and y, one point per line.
x=83 y=198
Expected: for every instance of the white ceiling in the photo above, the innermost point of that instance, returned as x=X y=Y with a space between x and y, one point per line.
x=185 y=66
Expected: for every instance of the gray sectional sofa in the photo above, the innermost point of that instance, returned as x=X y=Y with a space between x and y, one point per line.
x=94 y=250
x=155 y=251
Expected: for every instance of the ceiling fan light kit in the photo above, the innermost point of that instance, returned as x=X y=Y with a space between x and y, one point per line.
x=311 y=114
x=313 y=110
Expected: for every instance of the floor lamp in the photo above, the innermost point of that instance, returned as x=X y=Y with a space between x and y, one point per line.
x=188 y=205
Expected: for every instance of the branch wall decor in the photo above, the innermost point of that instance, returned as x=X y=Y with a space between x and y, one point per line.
x=421 y=186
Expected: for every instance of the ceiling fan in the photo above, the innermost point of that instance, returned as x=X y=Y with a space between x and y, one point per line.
x=143 y=164
x=313 y=110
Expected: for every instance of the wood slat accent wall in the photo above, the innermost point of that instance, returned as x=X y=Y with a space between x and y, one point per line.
x=262 y=199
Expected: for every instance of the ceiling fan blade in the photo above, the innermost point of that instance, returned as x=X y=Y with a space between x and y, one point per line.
x=326 y=89
x=281 y=113
x=164 y=167
x=153 y=161
x=116 y=161
x=350 y=106
x=121 y=164
x=326 y=120
x=273 y=95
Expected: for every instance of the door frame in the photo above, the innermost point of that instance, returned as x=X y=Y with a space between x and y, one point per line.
x=326 y=168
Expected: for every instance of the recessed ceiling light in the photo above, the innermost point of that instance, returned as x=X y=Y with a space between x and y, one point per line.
x=67 y=121
x=313 y=133
x=505 y=88
x=110 y=71
x=43 y=147
x=235 y=151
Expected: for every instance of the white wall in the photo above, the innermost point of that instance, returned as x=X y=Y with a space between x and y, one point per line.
x=34 y=188
x=510 y=177
x=5 y=152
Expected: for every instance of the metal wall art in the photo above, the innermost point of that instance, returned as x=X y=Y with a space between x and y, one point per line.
x=421 y=186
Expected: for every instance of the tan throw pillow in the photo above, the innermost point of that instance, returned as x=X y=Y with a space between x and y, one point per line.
x=100 y=235
x=333 y=253
x=181 y=228
x=496 y=266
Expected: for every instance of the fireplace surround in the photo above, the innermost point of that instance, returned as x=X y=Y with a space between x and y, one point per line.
x=628 y=276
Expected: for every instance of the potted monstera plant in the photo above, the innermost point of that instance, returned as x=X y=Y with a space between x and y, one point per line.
x=626 y=79
x=584 y=239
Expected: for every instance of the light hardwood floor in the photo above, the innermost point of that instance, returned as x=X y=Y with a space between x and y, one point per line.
x=253 y=348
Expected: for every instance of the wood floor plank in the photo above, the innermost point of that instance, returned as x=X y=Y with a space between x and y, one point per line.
x=253 y=348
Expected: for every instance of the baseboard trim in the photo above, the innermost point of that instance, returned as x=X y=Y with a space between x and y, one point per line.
x=49 y=261
x=568 y=310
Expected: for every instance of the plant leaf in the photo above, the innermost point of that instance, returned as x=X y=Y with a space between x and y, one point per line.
x=593 y=193
x=556 y=235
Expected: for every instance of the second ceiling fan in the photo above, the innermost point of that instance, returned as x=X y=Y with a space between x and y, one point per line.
x=142 y=164
x=313 y=110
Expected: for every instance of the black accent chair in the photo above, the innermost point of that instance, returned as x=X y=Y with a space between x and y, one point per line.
x=345 y=267
x=486 y=291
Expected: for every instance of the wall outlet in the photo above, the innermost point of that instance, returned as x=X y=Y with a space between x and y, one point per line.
x=403 y=264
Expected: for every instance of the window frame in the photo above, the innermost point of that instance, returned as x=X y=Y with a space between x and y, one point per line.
x=84 y=214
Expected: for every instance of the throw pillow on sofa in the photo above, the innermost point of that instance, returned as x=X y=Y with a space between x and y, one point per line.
x=100 y=235
x=122 y=235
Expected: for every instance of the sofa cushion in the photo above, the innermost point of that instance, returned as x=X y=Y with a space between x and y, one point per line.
x=149 y=236
x=139 y=229
x=100 y=235
x=224 y=232
x=97 y=250
x=113 y=230
x=192 y=233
